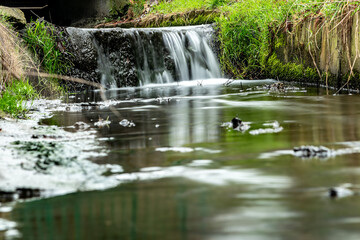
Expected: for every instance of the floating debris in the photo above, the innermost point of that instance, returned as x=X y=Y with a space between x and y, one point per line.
x=312 y=152
x=102 y=122
x=127 y=123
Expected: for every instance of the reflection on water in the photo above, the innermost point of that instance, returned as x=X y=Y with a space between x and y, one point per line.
x=186 y=177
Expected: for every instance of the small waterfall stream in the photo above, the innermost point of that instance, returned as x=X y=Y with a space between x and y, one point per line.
x=129 y=57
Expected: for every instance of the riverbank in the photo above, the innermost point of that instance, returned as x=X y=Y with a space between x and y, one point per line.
x=305 y=41
x=43 y=160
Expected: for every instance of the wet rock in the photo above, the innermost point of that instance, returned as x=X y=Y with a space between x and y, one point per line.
x=312 y=152
x=99 y=55
x=236 y=122
x=14 y=16
x=278 y=86
x=344 y=190
x=25 y=193
x=19 y=193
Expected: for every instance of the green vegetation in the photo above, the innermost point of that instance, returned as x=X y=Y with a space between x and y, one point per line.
x=290 y=71
x=118 y=8
x=42 y=41
x=246 y=29
x=14 y=97
x=244 y=34
x=14 y=61
x=195 y=17
x=179 y=6
x=45 y=43
x=138 y=7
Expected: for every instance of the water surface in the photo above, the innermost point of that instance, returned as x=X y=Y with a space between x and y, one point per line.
x=187 y=176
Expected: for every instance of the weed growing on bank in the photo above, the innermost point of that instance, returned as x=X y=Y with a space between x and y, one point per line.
x=42 y=42
x=245 y=29
x=244 y=34
x=14 y=97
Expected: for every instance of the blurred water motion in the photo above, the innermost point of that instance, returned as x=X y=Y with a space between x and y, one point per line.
x=186 y=177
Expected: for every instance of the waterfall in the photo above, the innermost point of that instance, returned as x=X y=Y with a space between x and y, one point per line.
x=126 y=57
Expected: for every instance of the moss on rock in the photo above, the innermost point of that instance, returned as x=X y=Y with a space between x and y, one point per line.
x=13 y=15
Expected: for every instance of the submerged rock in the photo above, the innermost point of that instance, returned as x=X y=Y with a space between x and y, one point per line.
x=312 y=152
x=45 y=155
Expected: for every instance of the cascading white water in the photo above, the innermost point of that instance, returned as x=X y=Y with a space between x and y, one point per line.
x=129 y=57
x=192 y=57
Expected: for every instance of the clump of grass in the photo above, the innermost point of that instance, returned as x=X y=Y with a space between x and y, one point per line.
x=245 y=28
x=138 y=7
x=42 y=41
x=44 y=44
x=14 y=97
x=244 y=34
x=165 y=7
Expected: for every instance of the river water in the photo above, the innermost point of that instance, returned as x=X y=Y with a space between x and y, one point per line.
x=187 y=174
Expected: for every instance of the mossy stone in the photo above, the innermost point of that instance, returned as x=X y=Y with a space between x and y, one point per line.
x=14 y=16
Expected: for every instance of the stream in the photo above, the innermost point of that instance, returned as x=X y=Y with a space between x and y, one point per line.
x=186 y=175
x=164 y=161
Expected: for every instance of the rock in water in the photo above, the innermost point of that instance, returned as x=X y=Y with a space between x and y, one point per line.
x=312 y=152
x=236 y=122
x=341 y=191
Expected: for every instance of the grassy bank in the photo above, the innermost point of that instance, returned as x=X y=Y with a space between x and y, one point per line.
x=250 y=31
x=38 y=53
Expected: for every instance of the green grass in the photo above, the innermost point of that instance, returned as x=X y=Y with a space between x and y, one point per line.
x=13 y=98
x=245 y=28
x=244 y=34
x=41 y=40
x=187 y=5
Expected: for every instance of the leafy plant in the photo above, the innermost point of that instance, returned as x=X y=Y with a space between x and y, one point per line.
x=42 y=41
x=12 y=100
